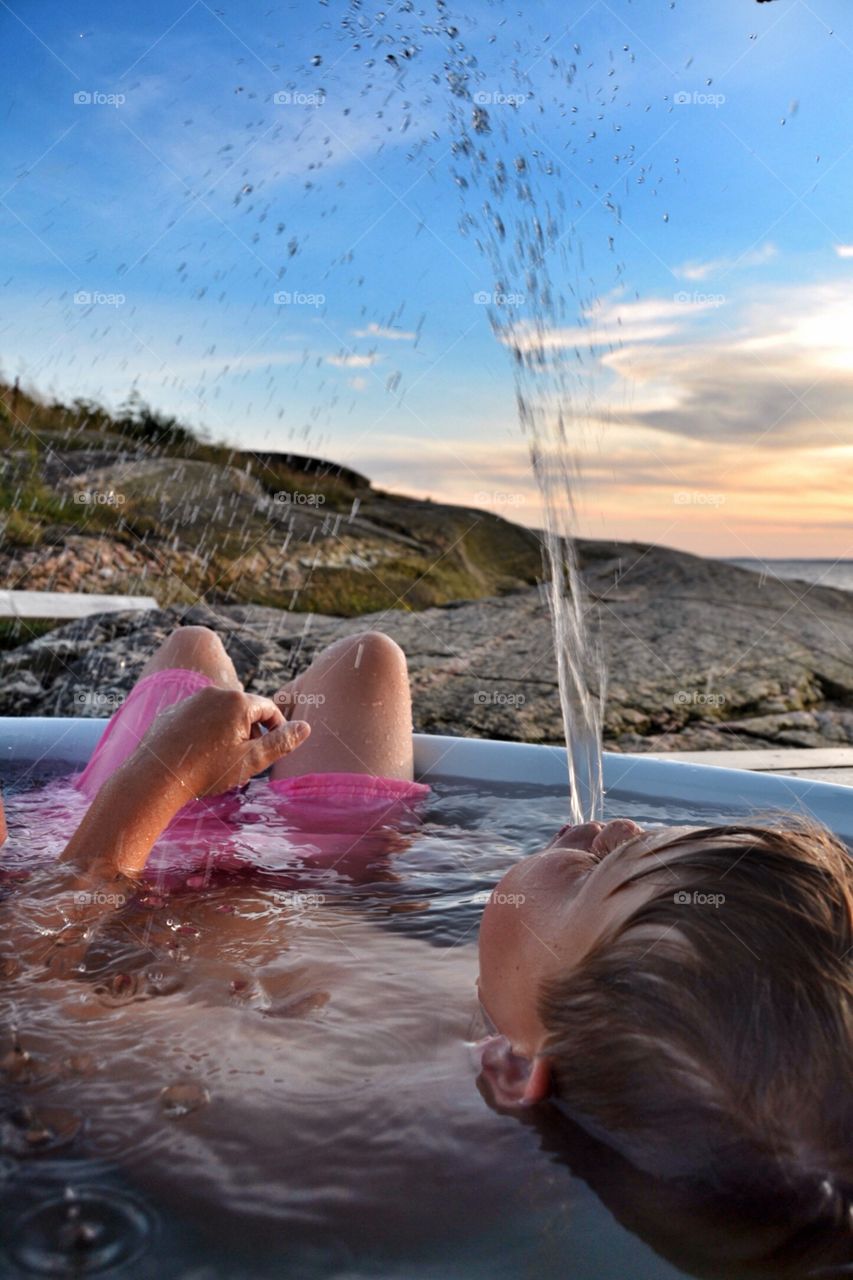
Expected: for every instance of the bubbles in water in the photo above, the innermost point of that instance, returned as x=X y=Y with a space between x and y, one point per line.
x=248 y=993
x=178 y=1100
x=121 y=988
x=162 y=979
x=16 y=1065
x=79 y=1064
x=30 y=1131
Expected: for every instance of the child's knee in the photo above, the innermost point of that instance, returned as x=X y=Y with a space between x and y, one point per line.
x=196 y=645
x=376 y=655
x=362 y=662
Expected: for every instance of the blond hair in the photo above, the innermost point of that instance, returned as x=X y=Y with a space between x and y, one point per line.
x=710 y=1035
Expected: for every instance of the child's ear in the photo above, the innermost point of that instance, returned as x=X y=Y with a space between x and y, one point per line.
x=512 y=1080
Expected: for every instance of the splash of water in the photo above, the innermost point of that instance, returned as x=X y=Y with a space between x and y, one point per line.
x=521 y=229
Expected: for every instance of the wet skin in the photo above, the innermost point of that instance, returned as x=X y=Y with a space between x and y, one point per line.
x=546 y=914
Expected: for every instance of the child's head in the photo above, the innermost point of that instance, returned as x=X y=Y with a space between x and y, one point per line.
x=687 y=995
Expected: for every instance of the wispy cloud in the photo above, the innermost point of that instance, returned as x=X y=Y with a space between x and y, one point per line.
x=734 y=436
x=384 y=331
x=781 y=373
x=698 y=271
x=612 y=322
x=844 y=250
x=350 y=360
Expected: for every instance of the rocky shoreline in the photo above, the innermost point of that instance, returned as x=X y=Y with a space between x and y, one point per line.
x=701 y=655
x=288 y=552
x=281 y=530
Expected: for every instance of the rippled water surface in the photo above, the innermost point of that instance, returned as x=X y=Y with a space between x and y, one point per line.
x=273 y=1075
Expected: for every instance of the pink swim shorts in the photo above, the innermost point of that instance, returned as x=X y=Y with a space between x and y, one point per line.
x=322 y=816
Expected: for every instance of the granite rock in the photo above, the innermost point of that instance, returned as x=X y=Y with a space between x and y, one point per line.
x=700 y=655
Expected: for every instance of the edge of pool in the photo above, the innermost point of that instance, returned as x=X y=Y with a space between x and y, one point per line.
x=640 y=777
x=71 y=740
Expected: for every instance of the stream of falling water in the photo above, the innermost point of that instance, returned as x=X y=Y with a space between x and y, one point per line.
x=521 y=232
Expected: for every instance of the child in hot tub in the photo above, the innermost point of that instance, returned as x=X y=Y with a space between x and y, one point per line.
x=687 y=994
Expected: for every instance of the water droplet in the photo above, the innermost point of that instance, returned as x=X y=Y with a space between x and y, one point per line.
x=120 y=989
x=79 y=1064
x=31 y=1132
x=180 y=1100
x=162 y=980
x=81 y=1234
x=16 y=1064
x=480 y=120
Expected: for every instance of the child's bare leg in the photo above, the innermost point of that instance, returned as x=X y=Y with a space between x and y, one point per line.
x=195 y=649
x=355 y=695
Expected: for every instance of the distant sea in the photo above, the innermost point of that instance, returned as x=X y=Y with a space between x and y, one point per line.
x=827 y=572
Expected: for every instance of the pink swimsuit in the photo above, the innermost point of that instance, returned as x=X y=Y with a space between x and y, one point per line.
x=329 y=821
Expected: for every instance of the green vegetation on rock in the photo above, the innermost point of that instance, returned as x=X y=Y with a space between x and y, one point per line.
x=134 y=502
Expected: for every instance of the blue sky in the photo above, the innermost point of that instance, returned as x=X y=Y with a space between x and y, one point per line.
x=255 y=215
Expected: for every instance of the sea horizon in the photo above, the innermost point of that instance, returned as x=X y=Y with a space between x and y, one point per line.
x=822 y=571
